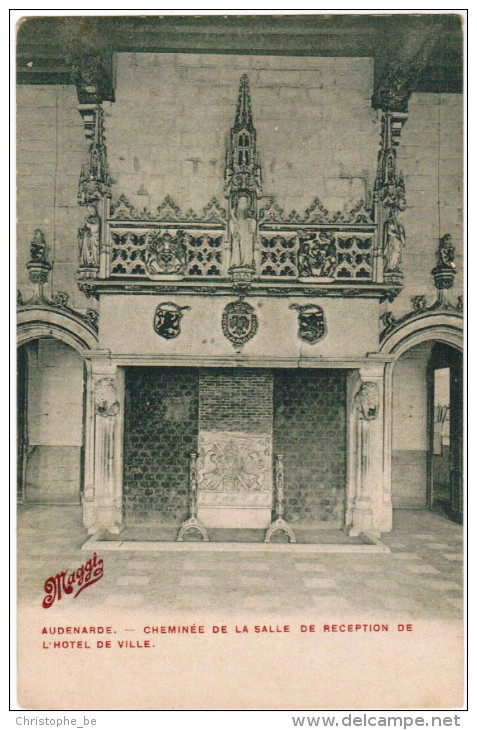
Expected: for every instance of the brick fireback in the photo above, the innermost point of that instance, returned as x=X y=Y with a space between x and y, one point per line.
x=165 y=409
x=236 y=400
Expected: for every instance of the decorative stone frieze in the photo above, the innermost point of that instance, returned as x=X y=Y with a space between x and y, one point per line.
x=444 y=274
x=38 y=272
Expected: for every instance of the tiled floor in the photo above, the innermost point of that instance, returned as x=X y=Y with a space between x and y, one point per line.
x=420 y=578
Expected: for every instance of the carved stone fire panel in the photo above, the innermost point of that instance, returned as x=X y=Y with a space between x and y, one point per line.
x=234 y=479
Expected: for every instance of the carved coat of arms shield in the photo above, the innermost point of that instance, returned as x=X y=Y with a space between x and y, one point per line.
x=311 y=322
x=167 y=318
x=239 y=323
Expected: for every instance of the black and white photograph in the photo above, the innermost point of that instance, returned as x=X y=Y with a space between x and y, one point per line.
x=240 y=395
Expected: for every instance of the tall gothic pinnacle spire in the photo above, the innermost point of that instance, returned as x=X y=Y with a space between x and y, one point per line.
x=243 y=115
x=242 y=167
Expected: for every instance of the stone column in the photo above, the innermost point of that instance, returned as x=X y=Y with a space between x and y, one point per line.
x=364 y=512
x=102 y=502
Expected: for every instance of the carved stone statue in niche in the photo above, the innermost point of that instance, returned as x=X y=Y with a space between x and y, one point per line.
x=446 y=252
x=317 y=255
x=165 y=254
x=367 y=400
x=394 y=243
x=88 y=239
x=38 y=247
x=243 y=229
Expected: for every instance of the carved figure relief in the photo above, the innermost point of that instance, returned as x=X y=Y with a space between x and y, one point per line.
x=106 y=402
x=165 y=254
x=167 y=319
x=367 y=400
x=239 y=323
x=317 y=255
x=88 y=239
x=311 y=322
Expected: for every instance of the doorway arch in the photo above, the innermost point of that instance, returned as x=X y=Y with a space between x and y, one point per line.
x=419 y=347
x=51 y=385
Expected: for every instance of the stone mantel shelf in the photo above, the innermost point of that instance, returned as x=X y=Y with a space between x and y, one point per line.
x=260 y=288
x=165 y=360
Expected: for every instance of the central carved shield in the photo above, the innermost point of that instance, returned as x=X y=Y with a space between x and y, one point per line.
x=239 y=323
x=311 y=322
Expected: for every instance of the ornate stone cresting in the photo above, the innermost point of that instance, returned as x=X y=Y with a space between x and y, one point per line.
x=390 y=199
x=38 y=272
x=243 y=189
x=444 y=274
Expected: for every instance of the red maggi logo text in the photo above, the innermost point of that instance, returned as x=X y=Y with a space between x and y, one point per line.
x=63 y=583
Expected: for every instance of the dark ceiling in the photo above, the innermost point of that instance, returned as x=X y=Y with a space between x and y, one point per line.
x=433 y=43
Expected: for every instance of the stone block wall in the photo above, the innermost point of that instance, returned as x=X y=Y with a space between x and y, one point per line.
x=316 y=130
x=430 y=155
x=310 y=431
x=160 y=433
x=51 y=147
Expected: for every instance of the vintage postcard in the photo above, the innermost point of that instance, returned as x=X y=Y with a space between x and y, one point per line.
x=240 y=266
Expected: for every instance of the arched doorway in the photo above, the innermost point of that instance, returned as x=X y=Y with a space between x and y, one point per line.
x=427 y=428
x=445 y=422
x=50 y=422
